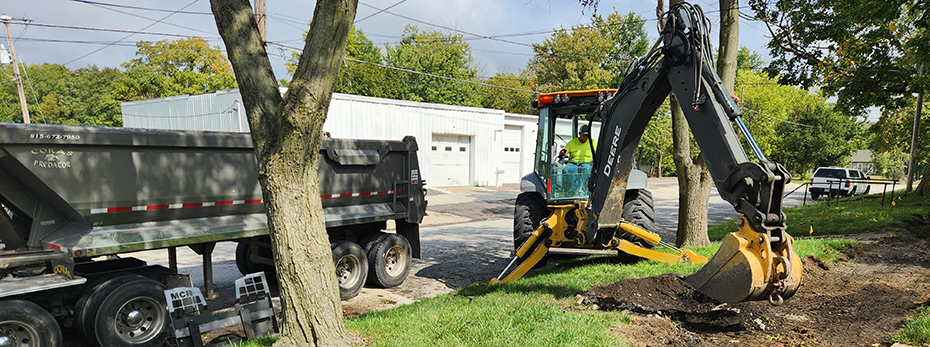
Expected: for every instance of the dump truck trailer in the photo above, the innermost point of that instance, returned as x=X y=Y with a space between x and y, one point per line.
x=76 y=200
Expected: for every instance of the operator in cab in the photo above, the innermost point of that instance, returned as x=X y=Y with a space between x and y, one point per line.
x=580 y=158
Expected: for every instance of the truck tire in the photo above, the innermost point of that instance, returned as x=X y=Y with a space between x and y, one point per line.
x=243 y=261
x=815 y=196
x=246 y=266
x=94 y=292
x=131 y=314
x=351 y=268
x=528 y=211
x=388 y=259
x=27 y=324
x=639 y=210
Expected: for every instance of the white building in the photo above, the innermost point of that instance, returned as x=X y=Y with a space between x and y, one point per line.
x=458 y=145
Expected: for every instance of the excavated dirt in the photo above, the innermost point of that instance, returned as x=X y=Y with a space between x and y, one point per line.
x=861 y=301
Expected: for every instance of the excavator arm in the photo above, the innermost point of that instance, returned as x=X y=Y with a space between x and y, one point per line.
x=756 y=263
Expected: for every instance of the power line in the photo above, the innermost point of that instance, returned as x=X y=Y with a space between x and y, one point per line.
x=379 y=12
x=445 y=27
x=130 y=35
x=140 y=8
x=143 y=17
x=140 y=32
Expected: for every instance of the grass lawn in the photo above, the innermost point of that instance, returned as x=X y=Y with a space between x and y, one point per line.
x=540 y=309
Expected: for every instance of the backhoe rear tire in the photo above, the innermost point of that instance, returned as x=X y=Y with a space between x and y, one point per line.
x=529 y=210
x=638 y=209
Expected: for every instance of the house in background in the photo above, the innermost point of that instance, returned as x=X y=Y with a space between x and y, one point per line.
x=862 y=160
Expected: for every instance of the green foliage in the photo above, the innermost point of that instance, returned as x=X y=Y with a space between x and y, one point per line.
x=891 y=164
x=435 y=53
x=589 y=56
x=57 y=95
x=510 y=100
x=92 y=96
x=826 y=137
x=747 y=59
x=656 y=144
x=191 y=65
x=864 y=52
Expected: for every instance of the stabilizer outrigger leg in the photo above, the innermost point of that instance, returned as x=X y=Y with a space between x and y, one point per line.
x=530 y=253
x=537 y=245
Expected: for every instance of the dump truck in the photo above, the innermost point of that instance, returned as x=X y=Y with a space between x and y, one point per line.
x=77 y=201
x=600 y=211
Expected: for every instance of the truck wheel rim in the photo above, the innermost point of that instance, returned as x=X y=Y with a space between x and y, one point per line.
x=16 y=333
x=395 y=261
x=347 y=271
x=139 y=320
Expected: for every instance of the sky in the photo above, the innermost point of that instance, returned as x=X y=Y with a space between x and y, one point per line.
x=82 y=44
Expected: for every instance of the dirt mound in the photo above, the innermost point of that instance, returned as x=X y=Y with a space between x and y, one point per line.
x=860 y=302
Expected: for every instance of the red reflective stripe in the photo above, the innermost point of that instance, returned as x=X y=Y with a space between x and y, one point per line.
x=326 y=196
x=157 y=207
x=257 y=201
x=55 y=247
x=222 y=203
x=198 y=204
x=119 y=209
x=365 y=194
x=400 y=192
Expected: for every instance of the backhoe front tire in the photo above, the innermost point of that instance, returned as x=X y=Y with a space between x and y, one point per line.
x=529 y=210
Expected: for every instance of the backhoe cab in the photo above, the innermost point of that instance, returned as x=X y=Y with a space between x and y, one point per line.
x=605 y=204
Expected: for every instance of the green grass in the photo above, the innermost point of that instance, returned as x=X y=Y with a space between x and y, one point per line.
x=537 y=310
x=540 y=309
x=916 y=331
x=848 y=216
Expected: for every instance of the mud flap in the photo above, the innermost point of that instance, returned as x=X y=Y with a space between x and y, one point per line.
x=748 y=267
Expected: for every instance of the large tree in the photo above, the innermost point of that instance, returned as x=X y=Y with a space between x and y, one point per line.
x=589 y=56
x=191 y=65
x=435 y=53
x=866 y=53
x=287 y=133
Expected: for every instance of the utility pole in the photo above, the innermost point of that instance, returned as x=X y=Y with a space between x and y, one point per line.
x=913 y=161
x=261 y=16
x=19 y=81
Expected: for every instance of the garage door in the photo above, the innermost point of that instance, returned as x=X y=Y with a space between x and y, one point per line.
x=513 y=155
x=450 y=160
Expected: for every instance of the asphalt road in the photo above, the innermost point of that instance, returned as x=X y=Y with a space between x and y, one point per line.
x=466 y=238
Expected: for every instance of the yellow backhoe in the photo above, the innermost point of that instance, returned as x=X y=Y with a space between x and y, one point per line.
x=603 y=204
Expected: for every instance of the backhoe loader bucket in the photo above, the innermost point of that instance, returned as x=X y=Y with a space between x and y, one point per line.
x=748 y=267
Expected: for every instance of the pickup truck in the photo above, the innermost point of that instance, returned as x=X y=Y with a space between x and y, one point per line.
x=838 y=181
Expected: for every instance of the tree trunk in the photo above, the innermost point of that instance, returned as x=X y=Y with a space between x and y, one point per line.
x=694 y=184
x=287 y=133
x=923 y=189
x=659 y=164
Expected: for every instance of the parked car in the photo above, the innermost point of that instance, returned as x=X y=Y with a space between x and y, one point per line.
x=838 y=181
